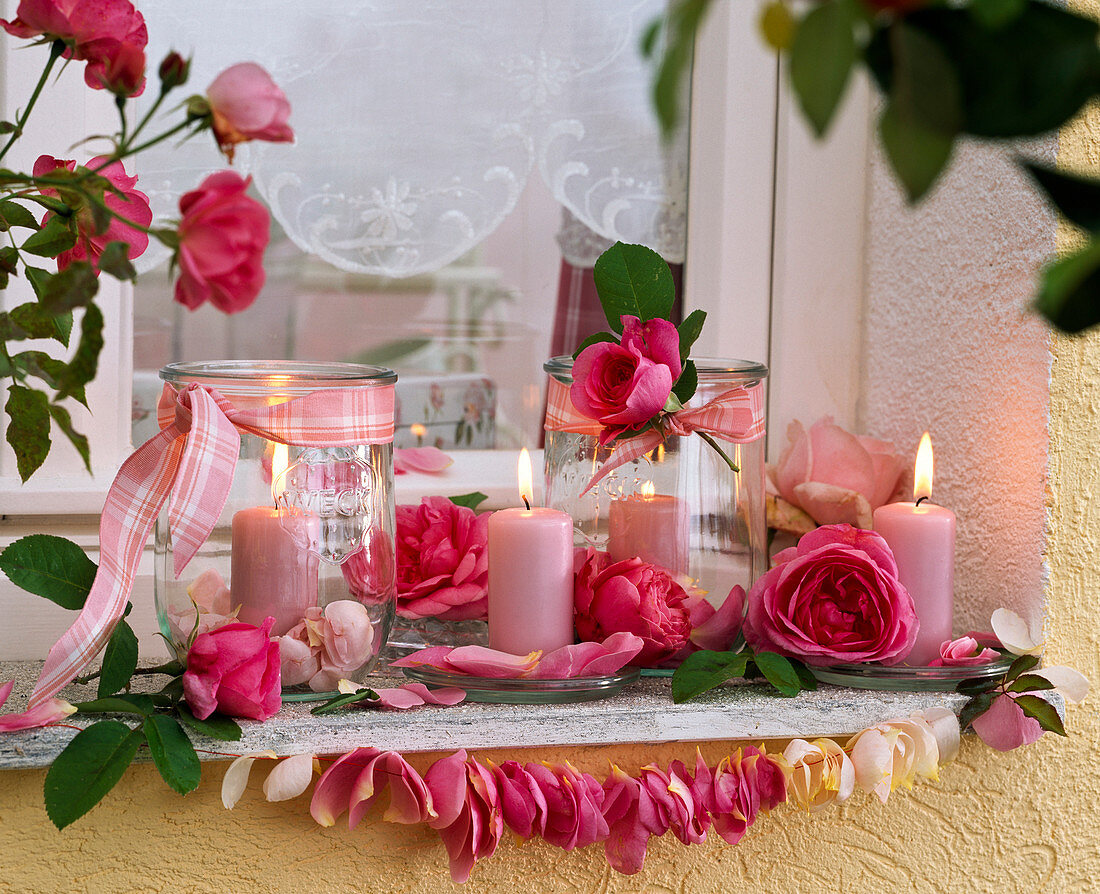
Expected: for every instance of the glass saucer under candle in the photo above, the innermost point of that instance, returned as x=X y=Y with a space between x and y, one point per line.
x=525 y=690
x=902 y=678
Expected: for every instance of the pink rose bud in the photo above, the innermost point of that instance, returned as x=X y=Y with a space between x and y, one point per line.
x=222 y=237
x=174 y=71
x=965 y=651
x=246 y=104
x=234 y=670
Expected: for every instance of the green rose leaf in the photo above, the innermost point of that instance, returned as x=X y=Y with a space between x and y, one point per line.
x=101 y=217
x=34 y=321
x=54 y=238
x=52 y=567
x=470 y=501
x=1030 y=683
x=925 y=87
x=173 y=753
x=1021 y=665
x=88 y=768
x=342 y=701
x=778 y=671
x=996 y=13
x=12 y=214
x=40 y=365
x=215 y=726
x=977 y=685
x=687 y=384
x=61 y=416
x=689 y=331
x=805 y=675
x=1069 y=290
x=82 y=368
x=9 y=259
x=916 y=153
x=1043 y=711
x=823 y=52
x=120 y=660
x=115 y=260
x=123 y=703
x=1078 y=198
x=29 y=429
x=684 y=20
x=596 y=339
x=633 y=280
x=704 y=670
x=974 y=708
x=75 y=286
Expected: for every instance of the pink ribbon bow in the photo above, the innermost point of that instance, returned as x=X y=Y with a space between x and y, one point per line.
x=736 y=415
x=190 y=463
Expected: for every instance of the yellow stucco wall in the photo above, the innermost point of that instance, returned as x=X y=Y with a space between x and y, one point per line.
x=1026 y=821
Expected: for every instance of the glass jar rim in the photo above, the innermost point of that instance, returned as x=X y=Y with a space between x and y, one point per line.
x=710 y=369
x=276 y=376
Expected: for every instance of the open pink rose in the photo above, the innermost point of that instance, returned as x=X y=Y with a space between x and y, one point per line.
x=246 y=104
x=622 y=385
x=442 y=561
x=124 y=70
x=132 y=204
x=835 y=597
x=965 y=651
x=96 y=31
x=834 y=476
x=223 y=234
x=327 y=645
x=631 y=596
x=234 y=670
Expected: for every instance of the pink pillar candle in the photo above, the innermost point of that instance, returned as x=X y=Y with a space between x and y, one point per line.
x=922 y=538
x=530 y=580
x=271 y=574
x=653 y=527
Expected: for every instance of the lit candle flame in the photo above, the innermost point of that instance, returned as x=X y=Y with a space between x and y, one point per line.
x=648 y=490
x=922 y=473
x=526 y=491
x=418 y=431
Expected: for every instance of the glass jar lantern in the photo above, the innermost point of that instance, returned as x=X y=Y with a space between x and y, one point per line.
x=306 y=536
x=679 y=505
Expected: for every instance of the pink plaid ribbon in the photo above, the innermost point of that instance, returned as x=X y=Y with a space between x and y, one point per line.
x=190 y=463
x=736 y=415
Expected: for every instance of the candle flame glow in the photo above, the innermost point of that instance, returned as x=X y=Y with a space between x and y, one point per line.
x=526 y=490
x=648 y=490
x=922 y=473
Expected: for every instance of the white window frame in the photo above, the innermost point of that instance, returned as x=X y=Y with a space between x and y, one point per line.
x=775 y=236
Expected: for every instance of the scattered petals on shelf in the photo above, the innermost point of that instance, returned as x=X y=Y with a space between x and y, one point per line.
x=442 y=561
x=965 y=651
x=832 y=476
x=426 y=460
x=222 y=236
x=49 y=711
x=1016 y=634
x=835 y=597
x=234 y=670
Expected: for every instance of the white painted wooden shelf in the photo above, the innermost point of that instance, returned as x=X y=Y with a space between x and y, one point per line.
x=642 y=713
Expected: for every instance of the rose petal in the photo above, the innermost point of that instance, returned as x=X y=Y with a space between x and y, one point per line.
x=1005 y=726
x=945 y=727
x=483 y=662
x=1069 y=683
x=235 y=780
x=1014 y=633
x=426 y=460
x=829 y=504
x=289 y=777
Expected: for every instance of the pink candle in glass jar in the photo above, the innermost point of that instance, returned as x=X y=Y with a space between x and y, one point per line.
x=922 y=538
x=530 y=575
x=651 y=526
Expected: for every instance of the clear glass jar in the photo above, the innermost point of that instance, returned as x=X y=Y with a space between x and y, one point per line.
x=679 y=506
x=306 y=536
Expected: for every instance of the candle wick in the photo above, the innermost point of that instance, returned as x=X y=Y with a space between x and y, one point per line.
x=921 y=500
x=525 y=503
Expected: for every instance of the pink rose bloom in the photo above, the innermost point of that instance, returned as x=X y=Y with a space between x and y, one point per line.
x=246 y=104
x=631 y=596
x=623 y=385
x=442 y=561
x=835 y=597
x=94 y=30
x=965 y=651
x=124 y=70
x=348 y=637
x=369 y=573
x=223 y=234
x=1005 y=726
x=132 y=204
x=834 y=476
x=234 y=670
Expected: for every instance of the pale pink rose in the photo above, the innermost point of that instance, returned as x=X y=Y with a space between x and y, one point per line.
x=631 y=596
x=468 y=817
x=835 y=597
x=299 y=661
x=442 y=561
x=822 y=774
x=131 y=203
x=234 y=670
x=834 y=476
x=363 y=777
x=223 y=234
x=891 y=755
x=246 y=104
x=625 y=384
x=963 y=652
x=1005 y=726
x=348 y=637
x=96 y=31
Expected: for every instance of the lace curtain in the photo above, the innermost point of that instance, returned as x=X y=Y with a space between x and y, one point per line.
x=419 y=122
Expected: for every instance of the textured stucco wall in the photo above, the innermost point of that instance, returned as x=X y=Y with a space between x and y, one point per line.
x=995 y=824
